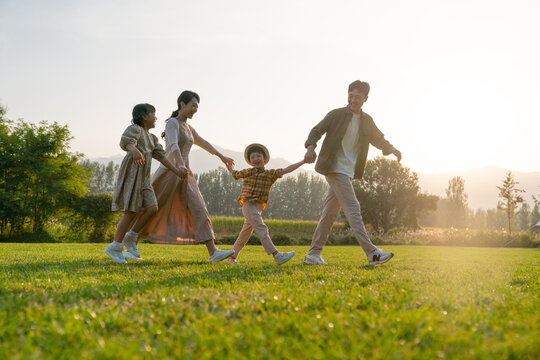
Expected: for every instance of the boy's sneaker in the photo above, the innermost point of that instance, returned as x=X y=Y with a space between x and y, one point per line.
x=232 y=261
x=314 y=260
x=129 y=256
x=282 y=258
x=219 y=255
x=131 y=246
x=114 y=254
x=379 y=257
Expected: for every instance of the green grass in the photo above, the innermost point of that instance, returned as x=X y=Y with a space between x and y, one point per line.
x=69 y=301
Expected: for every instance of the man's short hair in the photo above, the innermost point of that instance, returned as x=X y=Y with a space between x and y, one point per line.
x=361 y=86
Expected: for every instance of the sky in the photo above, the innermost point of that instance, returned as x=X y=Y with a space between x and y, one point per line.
x=454 y=84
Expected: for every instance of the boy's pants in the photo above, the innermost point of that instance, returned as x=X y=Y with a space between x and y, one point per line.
x=252 y=212
x=340 y=195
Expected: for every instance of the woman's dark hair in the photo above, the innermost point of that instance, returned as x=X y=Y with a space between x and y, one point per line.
x=361 y=86
x=256 y=149
x=185 y=97
x=138 y=111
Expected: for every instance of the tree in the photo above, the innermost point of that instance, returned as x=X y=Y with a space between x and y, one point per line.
x=478 y=219
x=456 y=203
x=510 y=198
x=38 y=176
x=389 y=195
x=524 y=217
x=220 y=192
x=299 y=197
x=93 y=214
x=102 y=177
x=535 y=214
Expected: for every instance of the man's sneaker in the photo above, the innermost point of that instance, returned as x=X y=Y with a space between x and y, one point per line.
x=129 y=256
x=379 y=257
x=131 y=246
x=282 y=258
x=115 y=254
x=314 y=260
x=219 y=255
x=231 y=261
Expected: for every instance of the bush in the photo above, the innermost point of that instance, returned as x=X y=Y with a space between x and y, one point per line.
x=31 y=237
x=94 y=221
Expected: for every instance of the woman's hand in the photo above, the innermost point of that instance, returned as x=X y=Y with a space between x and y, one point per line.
x=138 y=157
x=182 y=172
x=227 y=161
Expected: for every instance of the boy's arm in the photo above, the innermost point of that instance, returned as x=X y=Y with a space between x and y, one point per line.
x=293 y=167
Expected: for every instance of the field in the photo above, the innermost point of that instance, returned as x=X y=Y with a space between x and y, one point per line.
x=65 y=301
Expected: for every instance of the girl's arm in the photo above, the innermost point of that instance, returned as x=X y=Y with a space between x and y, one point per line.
x=293 y=167
x=159 y=154
x=199 y=141
x=181 y=172
x=138 y=157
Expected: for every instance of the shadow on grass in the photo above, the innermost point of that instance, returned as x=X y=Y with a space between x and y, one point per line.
x=86 y=271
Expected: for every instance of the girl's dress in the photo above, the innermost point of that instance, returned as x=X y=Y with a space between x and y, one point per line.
x=133 y=190
x=182 y=217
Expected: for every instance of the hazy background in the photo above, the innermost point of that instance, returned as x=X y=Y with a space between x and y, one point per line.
x=455 y=84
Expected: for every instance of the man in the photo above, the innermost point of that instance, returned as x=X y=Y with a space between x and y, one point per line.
x=343 y=156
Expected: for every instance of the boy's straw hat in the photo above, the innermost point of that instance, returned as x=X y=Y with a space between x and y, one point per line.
x=266 y=153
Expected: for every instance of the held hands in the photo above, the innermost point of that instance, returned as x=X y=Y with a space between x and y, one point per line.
x=310 y=156
x=227 y=161
x=230 y=166
x=182 y=172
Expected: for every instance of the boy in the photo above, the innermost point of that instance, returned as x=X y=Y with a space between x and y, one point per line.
x=254 y=197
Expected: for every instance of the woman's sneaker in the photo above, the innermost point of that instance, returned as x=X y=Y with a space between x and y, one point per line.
x=219 y=255
x=114 y=252
x=231 y=261
x=129 y=256
x=379 y=257
x=282 y=258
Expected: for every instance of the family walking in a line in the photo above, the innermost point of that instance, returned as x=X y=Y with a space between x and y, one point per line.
x=169 y=208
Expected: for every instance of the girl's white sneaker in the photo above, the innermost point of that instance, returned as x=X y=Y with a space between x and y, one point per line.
x=129 y=256
x=115 y=254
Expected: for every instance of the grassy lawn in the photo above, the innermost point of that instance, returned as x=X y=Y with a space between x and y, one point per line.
x=60 y=301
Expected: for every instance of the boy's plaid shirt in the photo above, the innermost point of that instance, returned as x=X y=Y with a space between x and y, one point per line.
x=257 y=184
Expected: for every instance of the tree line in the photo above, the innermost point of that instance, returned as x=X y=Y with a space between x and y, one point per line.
x=512 y=211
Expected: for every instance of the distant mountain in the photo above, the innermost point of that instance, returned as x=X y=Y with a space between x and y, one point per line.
x=480 y=184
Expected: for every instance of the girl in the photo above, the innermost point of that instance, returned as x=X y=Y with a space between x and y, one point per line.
x=133 y=193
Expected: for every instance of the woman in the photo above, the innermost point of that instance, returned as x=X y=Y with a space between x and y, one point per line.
x=182 y=217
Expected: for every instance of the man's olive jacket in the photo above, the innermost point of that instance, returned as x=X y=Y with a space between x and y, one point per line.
x=335 y=125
